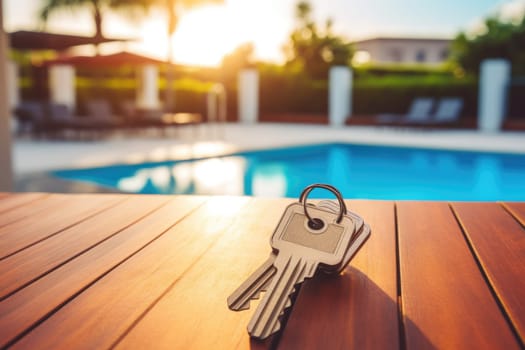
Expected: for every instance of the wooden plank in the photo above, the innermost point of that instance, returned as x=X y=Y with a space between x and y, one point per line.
x=203 y=290
x=59 y=215
x=15 y=200
x=446 y=302
x=24 y=309
x=517 y=210
x=499 y=244
x=102 y=313
x=21 y=268
x=30 y=208
x=357 y=310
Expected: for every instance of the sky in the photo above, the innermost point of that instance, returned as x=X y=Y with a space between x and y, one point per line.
x=205 y=34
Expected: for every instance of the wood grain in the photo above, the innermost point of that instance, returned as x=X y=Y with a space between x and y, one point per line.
x=101 y=314
x=31 y=304
x=357 y=310
x=99 y=271
x=33 y=262
x=61 y=213
x=499 y=244
x=15 y=200
x=33 y=208
x=517 y=210
x=203 y=290
x=446 y=302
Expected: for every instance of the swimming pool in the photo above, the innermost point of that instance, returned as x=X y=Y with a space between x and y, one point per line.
x=358 y=171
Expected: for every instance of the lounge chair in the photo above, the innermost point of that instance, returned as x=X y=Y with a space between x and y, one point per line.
x=418 y=113
x=129 y=111
x=31 y=116
x=101 y=117
x=448 y=110
x=156 y=118
x=60 y=118
x=136 y=117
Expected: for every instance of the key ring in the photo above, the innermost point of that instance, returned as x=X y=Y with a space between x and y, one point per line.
x=312 y=222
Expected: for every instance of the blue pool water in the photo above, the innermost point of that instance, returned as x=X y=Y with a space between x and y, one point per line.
x=374 y=172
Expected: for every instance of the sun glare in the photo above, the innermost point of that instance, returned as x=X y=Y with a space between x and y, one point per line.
x=202 y=38
x=154 y=38
x=205 y=34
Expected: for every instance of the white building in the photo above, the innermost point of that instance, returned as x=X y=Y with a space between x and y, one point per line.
x=402 y=50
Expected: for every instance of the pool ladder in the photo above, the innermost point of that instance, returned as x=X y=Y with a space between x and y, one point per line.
x=216 y=110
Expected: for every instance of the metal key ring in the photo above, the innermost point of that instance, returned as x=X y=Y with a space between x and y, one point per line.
x=306 y=192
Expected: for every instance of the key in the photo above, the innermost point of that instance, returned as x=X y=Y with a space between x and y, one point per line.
x=260 y=279
x=253 y=286
x=327 y=239
x=300 y=251
x=361 y=234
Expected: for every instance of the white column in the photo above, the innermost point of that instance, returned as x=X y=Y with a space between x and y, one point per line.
x=148 y=89
x=13 y=91
x=211 y=106
x=216 y=104
x=6 y=167
x=339 y=95
x=62 y=85
x=493 y=82
x=248 y=96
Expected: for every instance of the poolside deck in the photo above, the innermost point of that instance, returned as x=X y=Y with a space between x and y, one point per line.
x=126 y=271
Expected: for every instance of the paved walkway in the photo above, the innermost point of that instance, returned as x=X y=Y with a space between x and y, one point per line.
x=40 y=156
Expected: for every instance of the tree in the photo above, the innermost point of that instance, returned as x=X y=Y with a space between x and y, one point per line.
x=313 y=49
x=241 y=57
x=500 y=39
x=174 y=9
x=97 y=8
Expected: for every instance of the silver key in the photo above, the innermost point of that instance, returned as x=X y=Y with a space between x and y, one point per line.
x=259 y=280
x=253 y=286
x=300 y=251
x=361 y=234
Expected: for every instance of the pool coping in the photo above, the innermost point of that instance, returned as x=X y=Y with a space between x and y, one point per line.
x=237 y=138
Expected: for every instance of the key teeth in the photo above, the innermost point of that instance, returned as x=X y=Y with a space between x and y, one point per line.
x=277 y=326
x=247 y=304
x=243 y=307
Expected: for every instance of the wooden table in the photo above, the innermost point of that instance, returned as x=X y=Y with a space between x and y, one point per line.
x=148 y=272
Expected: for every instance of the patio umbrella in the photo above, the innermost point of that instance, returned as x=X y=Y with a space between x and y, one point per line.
x=114 y=60
x=31 y=40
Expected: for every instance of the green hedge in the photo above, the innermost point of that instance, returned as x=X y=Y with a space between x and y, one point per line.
x=284 y=91
x=186 y=100
x=516 y=101
x=383 y=97
x=392 y=94
x=296 y=97
x=405 y=70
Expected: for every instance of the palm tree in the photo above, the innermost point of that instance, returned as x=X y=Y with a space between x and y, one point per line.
x=174 y=9
x=96 y=6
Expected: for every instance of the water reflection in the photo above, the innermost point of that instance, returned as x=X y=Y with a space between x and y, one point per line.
x=208 y=176
x=269 y=181
x=219 y=176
